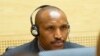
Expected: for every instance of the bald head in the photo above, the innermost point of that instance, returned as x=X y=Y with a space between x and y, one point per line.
x=53 y=28
x=49 y=13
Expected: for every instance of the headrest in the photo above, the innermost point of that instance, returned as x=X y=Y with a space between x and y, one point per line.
x=70 y=52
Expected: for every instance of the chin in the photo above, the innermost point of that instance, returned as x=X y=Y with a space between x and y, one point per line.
x=57 y=48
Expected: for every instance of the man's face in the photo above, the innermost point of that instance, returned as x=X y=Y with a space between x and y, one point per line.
x=53 y=30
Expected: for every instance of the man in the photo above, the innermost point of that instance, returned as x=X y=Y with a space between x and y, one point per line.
x=52 y=32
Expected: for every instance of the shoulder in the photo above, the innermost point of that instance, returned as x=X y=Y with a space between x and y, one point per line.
x=72 y=45
x=16 y=50
x=26 y=48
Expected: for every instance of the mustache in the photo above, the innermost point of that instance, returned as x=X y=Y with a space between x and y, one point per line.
x=57 y=41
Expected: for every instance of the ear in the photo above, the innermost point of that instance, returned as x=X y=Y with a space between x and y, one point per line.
x=68 y=28
x=68 y=31
x=68 y=39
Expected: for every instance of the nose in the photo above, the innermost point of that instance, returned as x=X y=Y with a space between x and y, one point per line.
x=58 y=34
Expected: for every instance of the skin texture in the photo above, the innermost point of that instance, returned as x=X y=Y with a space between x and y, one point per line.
x=53 y=28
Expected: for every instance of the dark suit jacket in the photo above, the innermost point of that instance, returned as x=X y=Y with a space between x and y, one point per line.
x=31 y=49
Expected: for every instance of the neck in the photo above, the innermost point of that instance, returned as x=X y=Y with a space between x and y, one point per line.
x=40 y=47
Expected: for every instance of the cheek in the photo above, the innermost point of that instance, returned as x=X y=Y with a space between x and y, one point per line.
x=45 y=40
x=65 y=35
x=46 y=36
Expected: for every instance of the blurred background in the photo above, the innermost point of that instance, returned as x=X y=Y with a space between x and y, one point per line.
x=83 y=16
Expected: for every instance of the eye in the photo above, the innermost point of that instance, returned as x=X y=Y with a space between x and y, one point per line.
x=50 y=28
x=65 y=27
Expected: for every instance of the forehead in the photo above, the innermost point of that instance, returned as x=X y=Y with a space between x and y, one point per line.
x=56 y=23
x=52 y=16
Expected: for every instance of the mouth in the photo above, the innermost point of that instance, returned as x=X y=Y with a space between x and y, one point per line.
x=58 y=43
